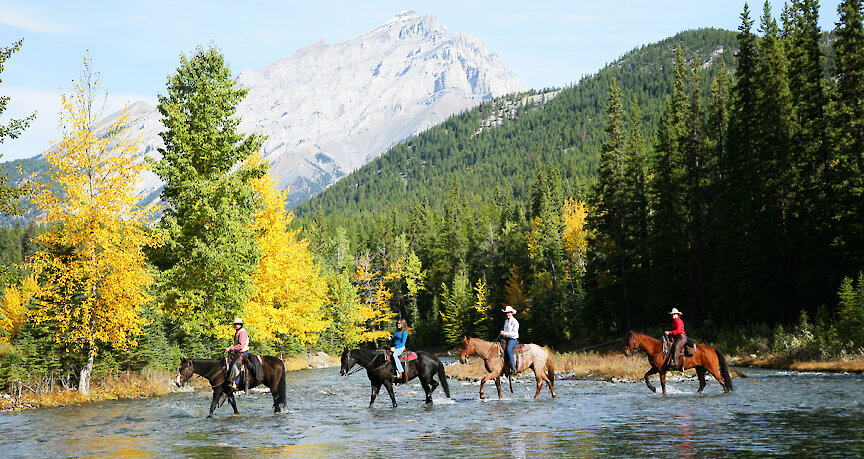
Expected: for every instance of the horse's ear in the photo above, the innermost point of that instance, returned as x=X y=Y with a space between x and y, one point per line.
x=182 y=359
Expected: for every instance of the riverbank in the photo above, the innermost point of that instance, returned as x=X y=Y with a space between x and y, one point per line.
x=129 y=385
x=615 y=367
x=850 y=365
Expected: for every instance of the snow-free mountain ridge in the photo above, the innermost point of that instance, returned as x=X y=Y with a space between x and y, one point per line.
x=330 y=108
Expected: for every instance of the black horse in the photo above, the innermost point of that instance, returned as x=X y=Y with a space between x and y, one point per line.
x=379 y=367
x=214 y=371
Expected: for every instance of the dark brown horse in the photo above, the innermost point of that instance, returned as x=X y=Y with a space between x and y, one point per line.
x=379 y=368
x=705 y=358
x=214 y=371
x=528 y=356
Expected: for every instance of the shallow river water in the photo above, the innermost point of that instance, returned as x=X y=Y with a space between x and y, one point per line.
x=770 y=413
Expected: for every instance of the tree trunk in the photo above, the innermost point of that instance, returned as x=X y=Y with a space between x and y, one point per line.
x=84 y=381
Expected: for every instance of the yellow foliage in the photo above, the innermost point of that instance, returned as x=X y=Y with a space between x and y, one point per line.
x=516 y=294
x=375 y=300
x=575 y=232
x=91 y=264
x=14 y=307
x=289 y=291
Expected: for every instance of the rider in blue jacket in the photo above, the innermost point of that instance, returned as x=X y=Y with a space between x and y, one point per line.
x=398 y=340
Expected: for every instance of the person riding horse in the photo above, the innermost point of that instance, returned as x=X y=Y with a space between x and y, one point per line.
x=678 y=335
x=398 y=340
x=241 y=347
x=510 y=333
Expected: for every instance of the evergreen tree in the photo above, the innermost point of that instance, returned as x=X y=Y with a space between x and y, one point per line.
x=211 y=253
x=847 y=132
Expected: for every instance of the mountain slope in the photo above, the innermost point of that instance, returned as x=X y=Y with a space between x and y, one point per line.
x=329 y=109
x=565 y=131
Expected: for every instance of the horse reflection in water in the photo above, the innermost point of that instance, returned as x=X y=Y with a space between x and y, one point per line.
x=379 y=368
x=214 y=371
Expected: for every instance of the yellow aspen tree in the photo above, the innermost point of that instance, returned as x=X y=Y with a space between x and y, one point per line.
x=14 y=308
x=515 y=292
x=289 y=290
x=374 y=300
x=91 y=267
x=575 y=235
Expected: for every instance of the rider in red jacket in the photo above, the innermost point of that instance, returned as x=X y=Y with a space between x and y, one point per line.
x=679 y=336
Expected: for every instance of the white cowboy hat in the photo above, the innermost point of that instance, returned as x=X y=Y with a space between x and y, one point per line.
x=509 y=308
x=237 y=320
x=676 y=311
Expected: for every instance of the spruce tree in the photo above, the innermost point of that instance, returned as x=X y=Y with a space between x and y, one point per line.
x=211 y=253
x=847 y=132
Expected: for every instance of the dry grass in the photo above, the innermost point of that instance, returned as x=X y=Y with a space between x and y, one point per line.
x=148 y=383
x=610 y=366
x=851 y=365
x=589 y=365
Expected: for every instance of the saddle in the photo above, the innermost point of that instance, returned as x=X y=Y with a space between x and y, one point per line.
x=249 y=362
x=688 y=350
x=517 y=354
x=406 y=356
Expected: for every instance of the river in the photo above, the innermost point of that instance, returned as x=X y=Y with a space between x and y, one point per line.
x=770 y=413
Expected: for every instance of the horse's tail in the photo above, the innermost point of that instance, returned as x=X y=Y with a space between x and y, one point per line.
x=283 y=399
x=550 y=368
x=724 y=370
x=442 y=377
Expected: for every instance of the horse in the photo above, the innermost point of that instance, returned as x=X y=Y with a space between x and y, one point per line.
x=705 y=359
x=379 y=368
x=215 y=372
x=529 y=356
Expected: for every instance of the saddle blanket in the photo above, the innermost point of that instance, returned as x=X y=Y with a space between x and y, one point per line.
x=406 y=356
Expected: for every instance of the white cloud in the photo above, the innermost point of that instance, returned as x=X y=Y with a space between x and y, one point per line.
x=22 y=17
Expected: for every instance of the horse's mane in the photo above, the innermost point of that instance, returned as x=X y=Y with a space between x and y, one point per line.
x=366 y=353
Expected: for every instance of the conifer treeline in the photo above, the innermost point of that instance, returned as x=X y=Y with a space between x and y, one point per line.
x=744 y=204
x=753 y=200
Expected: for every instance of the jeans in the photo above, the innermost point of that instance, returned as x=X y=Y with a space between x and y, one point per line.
x=396 y=353
x=511 y=344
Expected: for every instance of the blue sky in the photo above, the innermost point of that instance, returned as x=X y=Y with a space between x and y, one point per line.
x=136 y=45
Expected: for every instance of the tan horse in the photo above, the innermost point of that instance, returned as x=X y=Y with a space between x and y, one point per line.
x=705 y=359
x=535 y=357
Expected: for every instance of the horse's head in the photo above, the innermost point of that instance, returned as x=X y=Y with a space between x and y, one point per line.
x=347 y=362
x=184 y=373
x=632 y=343
x=467 y=350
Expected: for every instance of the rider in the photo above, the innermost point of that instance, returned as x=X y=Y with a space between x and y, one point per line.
x=678 y=334
x=399 y=339
x=241 y=346
x=511 y=334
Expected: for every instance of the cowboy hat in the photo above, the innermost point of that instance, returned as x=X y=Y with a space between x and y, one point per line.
x=676 y=311
x=509 y=308
x=237 y=320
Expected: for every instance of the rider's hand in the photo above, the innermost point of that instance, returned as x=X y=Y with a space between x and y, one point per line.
x=501 y=332
x=666 y=332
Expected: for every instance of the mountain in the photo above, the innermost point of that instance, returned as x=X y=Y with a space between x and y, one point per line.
x=330 y=108
x=497 y=148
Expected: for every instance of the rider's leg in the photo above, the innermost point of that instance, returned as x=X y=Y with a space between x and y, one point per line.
x=511 y=344
x=396 y=353
x=678 y=348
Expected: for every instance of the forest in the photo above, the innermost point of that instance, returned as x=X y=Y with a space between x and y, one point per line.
x=716 y=172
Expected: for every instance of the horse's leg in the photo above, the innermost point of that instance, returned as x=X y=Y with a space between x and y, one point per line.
x=375 y=389
x=647 y=382
x=716 y=373
x=498 y=386
x=389 y=386
x=428 y=388
x=482 y=383
x=216 y=394
x=663 y=381
x=700 y=372
x=539 y=382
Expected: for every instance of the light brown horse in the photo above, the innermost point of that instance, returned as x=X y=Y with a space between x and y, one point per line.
x=535 y=357
x=705 y=359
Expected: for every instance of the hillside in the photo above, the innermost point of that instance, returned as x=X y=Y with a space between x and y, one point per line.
x=565 y=131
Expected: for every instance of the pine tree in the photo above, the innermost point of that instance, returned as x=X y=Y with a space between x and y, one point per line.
x=847 y=132
x=212 y=252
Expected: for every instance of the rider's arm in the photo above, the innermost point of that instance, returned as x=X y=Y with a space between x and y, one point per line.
x=243 y=341
x=679 y=328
